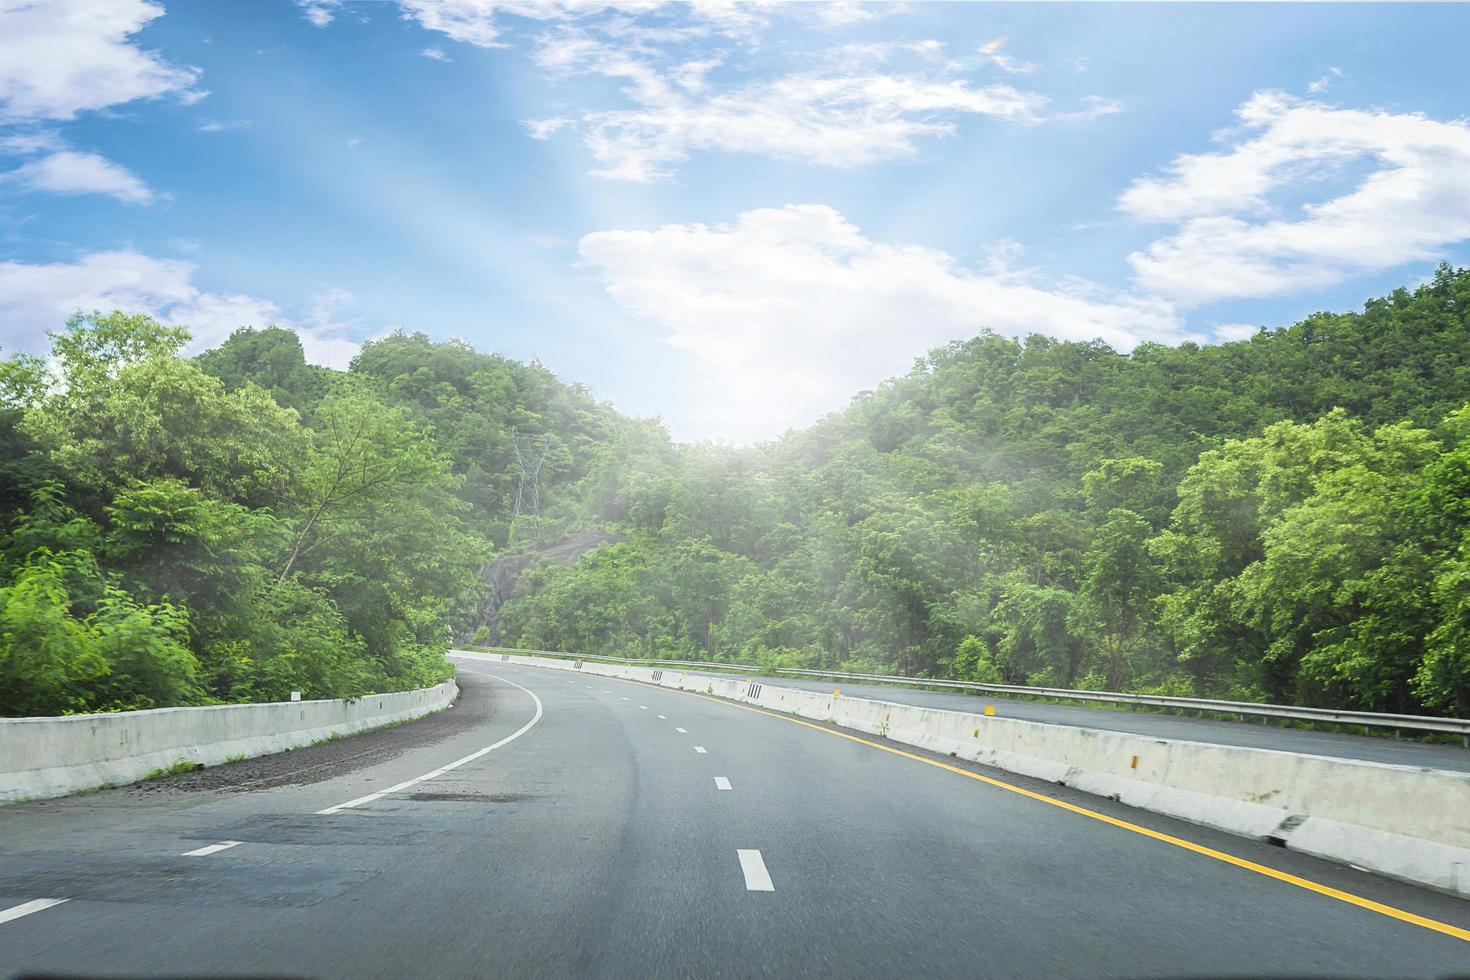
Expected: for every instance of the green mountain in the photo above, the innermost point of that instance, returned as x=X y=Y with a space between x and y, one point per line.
x=1280 y=518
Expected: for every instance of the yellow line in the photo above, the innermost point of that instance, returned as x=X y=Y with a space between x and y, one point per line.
x=1335 y=893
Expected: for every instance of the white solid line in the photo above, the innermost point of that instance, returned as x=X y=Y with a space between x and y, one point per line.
x=682 y=731
x=757 y=878
x=456 y=763
x=721 y=782
x=15 y=912
x=211 y=849
x=701 y=750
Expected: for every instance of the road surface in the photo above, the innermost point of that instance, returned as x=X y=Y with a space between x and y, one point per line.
x=583 y=826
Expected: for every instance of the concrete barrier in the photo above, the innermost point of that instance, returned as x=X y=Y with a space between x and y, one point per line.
x=44 y=757
x=1403 y=822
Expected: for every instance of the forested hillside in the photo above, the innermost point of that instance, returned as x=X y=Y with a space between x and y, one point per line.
x=1283 y=518
x=244 y=525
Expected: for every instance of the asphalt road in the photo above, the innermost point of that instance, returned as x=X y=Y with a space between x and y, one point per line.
x=594 y=838
x=1252 y=734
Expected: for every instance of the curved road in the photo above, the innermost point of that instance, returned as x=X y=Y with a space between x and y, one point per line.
x=572 y=826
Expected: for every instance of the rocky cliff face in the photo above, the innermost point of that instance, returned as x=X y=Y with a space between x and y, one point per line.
x=502 y=574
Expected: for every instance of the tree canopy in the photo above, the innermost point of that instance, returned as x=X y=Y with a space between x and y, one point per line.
x=1281 y=518
x=1285 y=517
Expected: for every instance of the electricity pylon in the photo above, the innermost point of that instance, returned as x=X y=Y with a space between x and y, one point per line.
x=528 y=489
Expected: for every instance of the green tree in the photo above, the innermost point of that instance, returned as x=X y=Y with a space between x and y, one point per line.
x=363 y=451
x=1121 y=583
x=271 y=358
x=161 y=417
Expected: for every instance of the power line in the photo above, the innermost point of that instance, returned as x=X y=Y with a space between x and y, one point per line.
x=528 y=488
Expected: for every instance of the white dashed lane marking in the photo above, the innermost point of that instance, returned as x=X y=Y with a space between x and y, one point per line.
x=701 y=749
x=663 y=718
x=757 y=878
x=721 y=782
x=211 y=849
x=682 y=731
x=17 y=911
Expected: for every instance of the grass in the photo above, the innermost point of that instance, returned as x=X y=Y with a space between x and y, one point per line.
x=183 y=765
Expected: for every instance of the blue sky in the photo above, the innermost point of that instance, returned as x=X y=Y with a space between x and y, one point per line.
x=733 y=216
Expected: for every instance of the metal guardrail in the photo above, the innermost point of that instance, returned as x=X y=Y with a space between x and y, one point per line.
x=1369 y=719
x=736 y=668
x=1364 y=719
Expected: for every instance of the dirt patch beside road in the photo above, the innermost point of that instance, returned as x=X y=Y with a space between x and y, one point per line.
x=478 y=701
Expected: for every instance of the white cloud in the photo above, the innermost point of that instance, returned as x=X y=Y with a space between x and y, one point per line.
x=835 y=110
x=1235 y=331
x=468 y=21
x=994 y=52
x=734 y=18
x=319 y=12
x=478 y=22
x=435 y=54
x=852 y=57
x=828 y=120
x=1233 y=240
x=1094 y=106
x=326 y=350
x=1325 y=82
x=542 y=129
x=62 y=57
x=219 y=126
x=36 y=298
x=70 y=172
x=36 y=141
x=474 y=21
x=322 y=337
x=690 y=76
x=835 y=117
x=788 y=311
x=841 y=13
